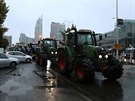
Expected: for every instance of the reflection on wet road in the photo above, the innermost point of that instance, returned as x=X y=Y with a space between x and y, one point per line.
x=102 y=90
x=29 y=83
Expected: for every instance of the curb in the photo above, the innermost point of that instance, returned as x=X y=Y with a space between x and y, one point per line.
x=78 y=90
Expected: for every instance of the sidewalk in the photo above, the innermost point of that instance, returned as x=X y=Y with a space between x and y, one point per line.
x=129 y=70
x=128 y=66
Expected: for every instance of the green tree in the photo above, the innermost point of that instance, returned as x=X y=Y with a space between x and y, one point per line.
x=3 y=14
x=4 y=43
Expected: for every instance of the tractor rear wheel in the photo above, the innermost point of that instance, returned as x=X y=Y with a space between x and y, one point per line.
x=63 y=63
x=37 y=59
x=43 y=62
x=84 y=70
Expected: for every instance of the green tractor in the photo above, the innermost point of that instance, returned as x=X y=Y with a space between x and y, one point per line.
x=38 y=54
x=50 y=47
x=45 y=49
x=81 y=55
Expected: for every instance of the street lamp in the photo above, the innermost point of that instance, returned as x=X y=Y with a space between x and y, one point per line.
x=40 y=37
x=117 y=51
x=54 y=37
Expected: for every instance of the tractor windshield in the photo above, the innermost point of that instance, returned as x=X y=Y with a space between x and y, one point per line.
x=85 y=39
x=50 y=43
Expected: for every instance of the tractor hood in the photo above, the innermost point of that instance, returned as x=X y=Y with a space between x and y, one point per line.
x=90 y=51
x=100 y=50
x=51 y=49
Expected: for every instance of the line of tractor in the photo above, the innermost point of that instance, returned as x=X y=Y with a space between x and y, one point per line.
x=78 y=52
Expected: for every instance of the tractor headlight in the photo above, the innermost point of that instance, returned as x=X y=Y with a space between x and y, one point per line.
x=133 y=61
x=51 y=52
x=125 y=60
x=106 y=56
x=55 y=52
x=100 y=56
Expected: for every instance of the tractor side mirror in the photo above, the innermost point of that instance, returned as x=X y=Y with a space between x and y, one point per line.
x=61 y=42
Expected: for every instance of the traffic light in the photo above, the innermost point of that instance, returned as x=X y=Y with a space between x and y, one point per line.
x=119 y=22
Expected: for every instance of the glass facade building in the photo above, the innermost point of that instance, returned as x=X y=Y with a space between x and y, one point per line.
x=126 y=35
x=38 y=29
x=26 y=40
x=56 y=29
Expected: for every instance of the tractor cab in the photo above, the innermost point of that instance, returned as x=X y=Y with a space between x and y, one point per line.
x=50 y=45
x=85 y=40
x=81 y=37
x=85 y=37
x=49 y=42
x=81 y=43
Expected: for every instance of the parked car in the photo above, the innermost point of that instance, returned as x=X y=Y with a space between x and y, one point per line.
x=130 y=52
x=20 y=55
x=6 y=61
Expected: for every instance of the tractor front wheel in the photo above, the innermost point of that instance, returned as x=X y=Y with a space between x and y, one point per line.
x=114 y=71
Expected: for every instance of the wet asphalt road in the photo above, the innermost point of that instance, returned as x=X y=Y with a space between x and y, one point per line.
x=102 y=90
x=29 y=82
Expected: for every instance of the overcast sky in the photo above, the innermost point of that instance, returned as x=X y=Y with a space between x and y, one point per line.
x=97 y=15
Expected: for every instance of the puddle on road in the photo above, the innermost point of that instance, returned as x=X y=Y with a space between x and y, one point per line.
x=50 y=80
x=53 y=83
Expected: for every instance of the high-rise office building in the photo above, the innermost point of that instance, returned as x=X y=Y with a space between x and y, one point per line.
x=125 y=35
x=38 y=29
x=24 y=39
x=56 y=29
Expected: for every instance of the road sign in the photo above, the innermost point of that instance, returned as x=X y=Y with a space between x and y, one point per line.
x=117 y=46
